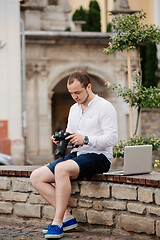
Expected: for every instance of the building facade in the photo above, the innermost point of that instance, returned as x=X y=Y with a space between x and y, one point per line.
x=52 y=54
x=11 y=135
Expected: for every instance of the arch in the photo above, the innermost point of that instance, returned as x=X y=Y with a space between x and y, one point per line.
x=57 y=75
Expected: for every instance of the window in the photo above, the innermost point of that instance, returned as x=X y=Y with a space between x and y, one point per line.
x=52 y=2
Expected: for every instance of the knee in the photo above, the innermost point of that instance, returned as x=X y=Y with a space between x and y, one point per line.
x=34 y=177
x=60 y=171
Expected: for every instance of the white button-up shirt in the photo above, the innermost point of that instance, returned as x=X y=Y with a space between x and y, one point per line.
x=99 y=123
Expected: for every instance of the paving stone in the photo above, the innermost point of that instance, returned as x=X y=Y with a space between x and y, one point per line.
x=137 y=224
x=27 y=210
x=6 y=207
x=115 y=205
x=73 y=202
x=85 y=203
x=105 y=218
x=145 y=195
x=22 y=185
x=14 y=196
x=136 y=208
x=36 y=199
x=154 y=210
x=157 y=196
x=96 y=190
x=158 y=228
x=124 y=192
x=48 y=212
x=80 y=214
x=5 y=183
x=15 y=232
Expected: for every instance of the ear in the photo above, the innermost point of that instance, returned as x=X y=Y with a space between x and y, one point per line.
x=89 y=86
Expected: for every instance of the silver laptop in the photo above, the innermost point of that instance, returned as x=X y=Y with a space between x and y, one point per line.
x=137 y=160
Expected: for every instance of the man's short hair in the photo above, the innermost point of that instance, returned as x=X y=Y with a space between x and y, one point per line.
x=82 y=77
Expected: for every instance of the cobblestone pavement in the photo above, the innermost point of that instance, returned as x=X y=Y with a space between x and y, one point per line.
x=15 y=232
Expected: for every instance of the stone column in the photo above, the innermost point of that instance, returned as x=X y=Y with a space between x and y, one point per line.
x=123 y=113
x=32 y=112
x=43 y=114
x=38 y=117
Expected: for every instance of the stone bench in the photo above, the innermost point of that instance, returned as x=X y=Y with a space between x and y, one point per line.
x=118 y=205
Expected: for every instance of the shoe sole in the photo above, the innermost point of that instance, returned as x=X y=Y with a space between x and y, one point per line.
x=65 y=228
x=70 y=227
x=54 y=236
x=45 y=231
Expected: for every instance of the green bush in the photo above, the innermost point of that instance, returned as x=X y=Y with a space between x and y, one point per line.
x=109 y=27
x=149 y=64
x=139 y=96
x=92 y=17
x=80 y=14
x=118 y=150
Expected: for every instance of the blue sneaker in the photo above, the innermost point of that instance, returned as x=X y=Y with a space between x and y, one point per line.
x=46 y=229
x=70 y=224
x=54 y=231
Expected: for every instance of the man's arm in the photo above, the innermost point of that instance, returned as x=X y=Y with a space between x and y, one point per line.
x=108 y=124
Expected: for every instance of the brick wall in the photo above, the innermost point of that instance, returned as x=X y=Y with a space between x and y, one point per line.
x=121 y=209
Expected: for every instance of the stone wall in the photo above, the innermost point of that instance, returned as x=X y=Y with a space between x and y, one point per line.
x=119 y=209
x=150 y=125
x=150 y=122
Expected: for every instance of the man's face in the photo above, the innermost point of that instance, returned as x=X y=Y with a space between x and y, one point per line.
x=78 y=92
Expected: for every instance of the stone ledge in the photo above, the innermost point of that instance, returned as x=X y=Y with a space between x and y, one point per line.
x=148 y=180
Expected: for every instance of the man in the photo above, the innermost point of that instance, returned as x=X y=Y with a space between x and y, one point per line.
x=92 y=123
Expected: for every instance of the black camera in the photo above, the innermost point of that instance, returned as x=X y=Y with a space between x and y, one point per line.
x=62 y=146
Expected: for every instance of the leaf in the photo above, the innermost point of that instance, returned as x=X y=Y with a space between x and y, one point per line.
x=131 y=32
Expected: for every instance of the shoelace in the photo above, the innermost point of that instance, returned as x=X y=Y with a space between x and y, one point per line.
x=54 y=226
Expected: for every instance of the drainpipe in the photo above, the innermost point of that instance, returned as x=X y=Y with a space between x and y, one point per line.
x=23 y=72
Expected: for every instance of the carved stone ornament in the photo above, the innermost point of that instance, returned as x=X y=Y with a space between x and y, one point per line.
x=40 y=69
x=2 y=44
x=121 y=4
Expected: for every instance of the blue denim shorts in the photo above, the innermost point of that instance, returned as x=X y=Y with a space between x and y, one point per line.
x=89 y=163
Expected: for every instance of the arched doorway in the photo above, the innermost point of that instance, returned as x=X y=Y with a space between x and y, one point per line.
x=62 y=101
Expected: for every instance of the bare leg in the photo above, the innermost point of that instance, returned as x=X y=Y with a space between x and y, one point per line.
x=41 y=180
x=64 y=171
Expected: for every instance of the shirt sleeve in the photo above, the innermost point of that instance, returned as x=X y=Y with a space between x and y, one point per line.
x=108 y=124
x=70 y=123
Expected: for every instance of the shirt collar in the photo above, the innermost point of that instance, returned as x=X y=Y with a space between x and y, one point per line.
x=96 y=96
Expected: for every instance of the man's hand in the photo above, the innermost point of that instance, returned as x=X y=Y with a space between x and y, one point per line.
x=76 y=139
x=53 y=140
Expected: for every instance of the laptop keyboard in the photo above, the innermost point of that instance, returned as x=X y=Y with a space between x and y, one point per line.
x=114 y=173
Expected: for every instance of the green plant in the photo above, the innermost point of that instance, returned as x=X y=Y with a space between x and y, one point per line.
x=92 y=17
x=118 y=150
x=149 y=64
x=109 y=27
x=156 y=166
x=129 y=34
x=140 y=96
x=80 y=14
